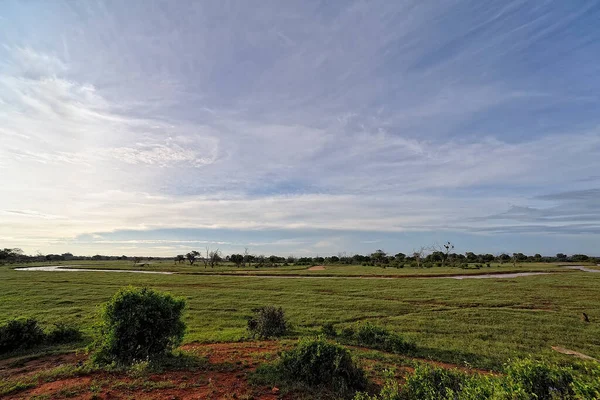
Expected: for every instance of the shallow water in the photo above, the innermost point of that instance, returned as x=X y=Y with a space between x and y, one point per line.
x=60 y=268
x=580 y=268
x=495 y=276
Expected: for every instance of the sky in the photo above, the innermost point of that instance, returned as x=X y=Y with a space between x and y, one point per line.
x=299 y=127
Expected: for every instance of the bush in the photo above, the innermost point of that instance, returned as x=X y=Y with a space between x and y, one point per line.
x=63 y=333
x=316 y=362
x=328 y=330
x=524 y=380
x=20 y=334
x=539 y=380
x=268 y=322
x=428 y=383
x=377 y=337
x=139 y=325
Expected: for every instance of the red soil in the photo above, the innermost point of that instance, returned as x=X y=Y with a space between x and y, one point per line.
x=225 y=376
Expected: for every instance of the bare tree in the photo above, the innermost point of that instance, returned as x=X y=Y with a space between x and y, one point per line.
x=136 y=260
x=445 y=249
x=247 y=258
x=419 y=254
x=214 y=257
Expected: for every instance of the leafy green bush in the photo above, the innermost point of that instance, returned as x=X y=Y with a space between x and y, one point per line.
x=377 y=337
x=328 y=329
x=539 y=380
x=139 y=325
x=63 y=333
x=428 y=383
x=317 y=362
x=268 y=322
x=524 y=380
x=19 y=334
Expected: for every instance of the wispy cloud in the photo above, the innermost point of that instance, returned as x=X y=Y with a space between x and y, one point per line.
x=393 y=118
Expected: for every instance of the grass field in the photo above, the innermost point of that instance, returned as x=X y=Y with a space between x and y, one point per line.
x=482 y=322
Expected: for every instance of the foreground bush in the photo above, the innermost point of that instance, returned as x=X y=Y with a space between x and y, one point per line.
x=20 y=334
x=268 y=322
x=139 y=325
x=544 y=381
x=317 y=362
x=524 y=380
x=377 y=337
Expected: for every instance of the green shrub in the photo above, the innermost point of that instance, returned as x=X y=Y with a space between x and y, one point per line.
x=328 y=330
x=62 y=333
x=268 y=322
x=377 y=337
x=524 y=380
x=19 y=334
x=539 y=380
x=139 y=325
x=429 y=383
x=317 y=362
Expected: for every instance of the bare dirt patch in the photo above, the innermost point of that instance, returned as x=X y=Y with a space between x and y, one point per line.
x=225 y=375
x=317 y=268
x=573 y=353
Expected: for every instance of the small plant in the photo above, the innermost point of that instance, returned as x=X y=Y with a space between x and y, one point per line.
x=268 y=322
x=20 y=334
x=139 y=325
x=377 y=337
x=317 y=362
x=328 y=330
x=62 y=333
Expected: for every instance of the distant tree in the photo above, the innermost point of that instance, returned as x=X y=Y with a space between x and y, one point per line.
x=378 y=257
x=503 y=257
x=180 y=258
x=471 y=257
x=447 y=248
x=214 y=258
x=247 y=257
x=136 y=260
x=561 y=256
x=418 y=255
x=487 y=258
x=400 y=257
x=579 y=258
x=537 y=257
x=237 y=259
x=192 y=256
x=518 y=257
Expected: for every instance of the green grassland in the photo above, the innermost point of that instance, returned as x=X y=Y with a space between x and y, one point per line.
x=482 y=322
x=330 y=269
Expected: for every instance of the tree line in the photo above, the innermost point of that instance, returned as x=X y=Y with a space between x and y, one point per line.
x=423 y=257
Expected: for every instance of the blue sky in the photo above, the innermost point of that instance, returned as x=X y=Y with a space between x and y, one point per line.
x=146 y=127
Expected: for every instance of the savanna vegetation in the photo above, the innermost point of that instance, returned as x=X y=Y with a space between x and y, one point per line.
x=365 y=338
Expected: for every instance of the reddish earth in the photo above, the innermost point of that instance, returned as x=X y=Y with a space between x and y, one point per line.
x=224 y=376
x=317 y=268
